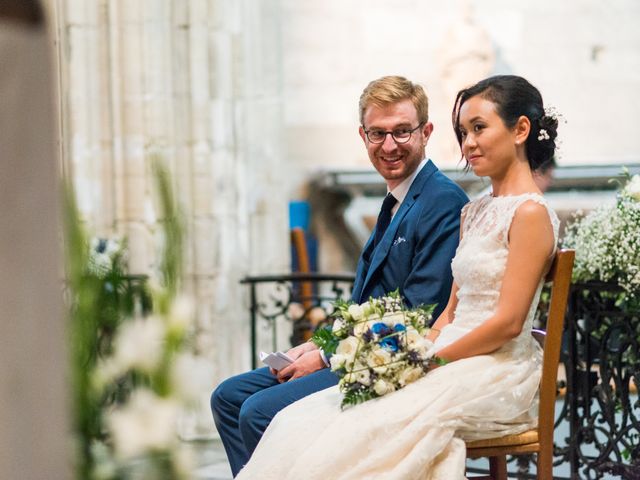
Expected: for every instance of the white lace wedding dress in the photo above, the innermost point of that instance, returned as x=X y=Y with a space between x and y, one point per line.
x=418 y=432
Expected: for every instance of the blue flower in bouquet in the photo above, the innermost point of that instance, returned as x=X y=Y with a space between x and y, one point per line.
x=398 y=327
x=381 y=329
x=389 y=343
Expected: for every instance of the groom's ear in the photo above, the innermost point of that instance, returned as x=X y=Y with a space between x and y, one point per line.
x=522 y=129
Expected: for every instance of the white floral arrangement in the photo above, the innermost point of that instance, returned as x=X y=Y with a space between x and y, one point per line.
x=607 y=241
x=132 y=371
x=105 y=255
x=377 y=347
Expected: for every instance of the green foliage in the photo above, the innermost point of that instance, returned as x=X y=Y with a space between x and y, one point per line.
x=356 y=396
x=325 y=340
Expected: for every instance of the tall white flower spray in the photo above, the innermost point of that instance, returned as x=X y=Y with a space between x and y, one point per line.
x=131 y=370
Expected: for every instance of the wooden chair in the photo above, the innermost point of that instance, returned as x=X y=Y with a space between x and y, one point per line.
x=305 y=291
x=538 y=440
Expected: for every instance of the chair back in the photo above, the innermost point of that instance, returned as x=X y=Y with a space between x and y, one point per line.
x=300 y=249
x=560 y=277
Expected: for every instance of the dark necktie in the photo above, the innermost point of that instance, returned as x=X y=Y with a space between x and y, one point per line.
x=384 y=218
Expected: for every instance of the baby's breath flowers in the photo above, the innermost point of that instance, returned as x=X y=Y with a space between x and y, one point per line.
x=607 y=241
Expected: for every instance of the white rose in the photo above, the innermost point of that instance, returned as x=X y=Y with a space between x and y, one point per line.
x=410 y=375
x=356 y=312
x=360 y=328
x=391 y=319
x=363 y=376
x=382 y=387
x=413 y=337
x=139 y=344
x=146 y=423
x=337 y=361
x=348 y=348
x=633 y=187
x=338 y=326
x=379 y=359
x=348 y=378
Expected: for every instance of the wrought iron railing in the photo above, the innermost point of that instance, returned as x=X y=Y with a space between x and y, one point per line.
x=279 y=297
x=602 y=359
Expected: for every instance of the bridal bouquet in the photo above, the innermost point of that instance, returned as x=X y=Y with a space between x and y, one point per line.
x=377 y=347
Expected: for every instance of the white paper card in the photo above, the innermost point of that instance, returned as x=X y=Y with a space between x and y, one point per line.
x=276 y=360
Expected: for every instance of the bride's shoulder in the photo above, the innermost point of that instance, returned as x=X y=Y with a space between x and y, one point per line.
x=534 y=213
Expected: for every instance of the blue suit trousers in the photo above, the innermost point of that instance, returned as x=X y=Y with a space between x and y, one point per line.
x=244 y=405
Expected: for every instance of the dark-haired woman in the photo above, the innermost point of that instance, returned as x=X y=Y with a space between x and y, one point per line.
x=489 y=387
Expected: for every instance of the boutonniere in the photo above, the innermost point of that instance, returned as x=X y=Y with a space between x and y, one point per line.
x=398 y=241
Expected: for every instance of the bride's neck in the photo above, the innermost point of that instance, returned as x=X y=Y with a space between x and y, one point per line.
x=516 y=180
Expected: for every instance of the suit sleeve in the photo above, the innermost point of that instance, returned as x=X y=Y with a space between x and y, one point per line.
x=438 y=233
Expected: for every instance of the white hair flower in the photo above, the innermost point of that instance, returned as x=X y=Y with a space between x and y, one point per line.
x=543 y=135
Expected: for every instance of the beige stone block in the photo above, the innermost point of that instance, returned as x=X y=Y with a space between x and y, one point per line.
x=135 y=191
x=141 y=247
x=206 y=245
x=222 y=127
x=203 y=195
x=130 y=12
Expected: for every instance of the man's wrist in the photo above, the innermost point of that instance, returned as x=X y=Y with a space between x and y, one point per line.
x=323 y=357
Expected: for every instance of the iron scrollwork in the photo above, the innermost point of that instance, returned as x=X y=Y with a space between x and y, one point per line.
x=602 y=359
x=303 y=299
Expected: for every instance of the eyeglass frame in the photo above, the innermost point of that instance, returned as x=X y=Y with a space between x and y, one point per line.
x=390 y=132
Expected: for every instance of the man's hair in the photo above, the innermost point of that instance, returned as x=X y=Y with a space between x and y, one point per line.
x=393 y=89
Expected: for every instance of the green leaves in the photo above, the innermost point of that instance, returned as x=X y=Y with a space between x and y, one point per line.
x=325 y=340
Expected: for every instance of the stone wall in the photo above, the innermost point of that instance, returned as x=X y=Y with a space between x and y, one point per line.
x=584 y=57
x=198 y=84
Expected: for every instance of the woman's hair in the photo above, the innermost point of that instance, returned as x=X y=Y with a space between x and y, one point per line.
x=514 y=97
x=392 y=89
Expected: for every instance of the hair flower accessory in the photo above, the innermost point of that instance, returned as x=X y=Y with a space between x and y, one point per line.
x=543 y=135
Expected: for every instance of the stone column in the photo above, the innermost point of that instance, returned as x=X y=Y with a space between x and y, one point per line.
x=33 y=418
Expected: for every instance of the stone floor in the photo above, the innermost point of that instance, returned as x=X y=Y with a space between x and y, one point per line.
x=210 y=460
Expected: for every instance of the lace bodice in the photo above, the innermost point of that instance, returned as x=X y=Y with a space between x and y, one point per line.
x=480 y=261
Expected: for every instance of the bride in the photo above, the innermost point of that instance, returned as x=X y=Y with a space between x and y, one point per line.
x=489 y=387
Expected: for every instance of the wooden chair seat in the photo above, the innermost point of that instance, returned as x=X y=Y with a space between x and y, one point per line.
x=530 y=436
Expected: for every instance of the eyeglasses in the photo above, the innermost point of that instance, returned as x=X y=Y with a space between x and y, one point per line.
x=399 y=135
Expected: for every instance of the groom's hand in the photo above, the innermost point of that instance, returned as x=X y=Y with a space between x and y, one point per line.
x=309 y=362
x=296 y=352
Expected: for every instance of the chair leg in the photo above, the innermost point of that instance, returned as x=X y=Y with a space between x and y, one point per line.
x=498 y=467
x=544 y=467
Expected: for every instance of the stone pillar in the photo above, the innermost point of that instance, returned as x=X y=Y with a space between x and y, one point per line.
x=33 y=411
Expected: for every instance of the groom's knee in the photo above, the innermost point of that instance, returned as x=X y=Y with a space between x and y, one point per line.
x=254 y=419
x=223 y=401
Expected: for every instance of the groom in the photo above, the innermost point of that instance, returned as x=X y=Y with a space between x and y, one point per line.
x=410 y=248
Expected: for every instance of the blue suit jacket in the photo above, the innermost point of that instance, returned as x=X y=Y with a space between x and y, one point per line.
x=415 y=252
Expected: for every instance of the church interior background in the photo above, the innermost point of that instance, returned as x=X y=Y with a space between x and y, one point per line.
x=253 y=105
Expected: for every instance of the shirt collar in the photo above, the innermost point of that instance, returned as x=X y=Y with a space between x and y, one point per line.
x=400 y=192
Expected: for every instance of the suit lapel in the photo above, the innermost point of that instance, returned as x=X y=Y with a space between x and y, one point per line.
x=382 y=250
